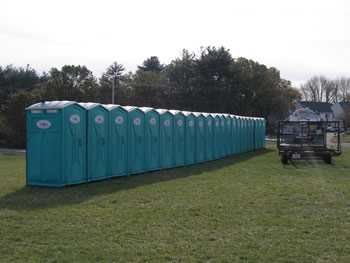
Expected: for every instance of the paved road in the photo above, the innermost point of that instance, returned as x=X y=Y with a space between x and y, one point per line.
x=5 y=150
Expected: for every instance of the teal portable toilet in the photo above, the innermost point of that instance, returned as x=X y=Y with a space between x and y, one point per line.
x=249 y=133
x=179 y=137
x=56 y=144
x=190 y=154
x=228 y=132
x=239 y=134
x=234 y=134
x=244 y=134
x=166 y=138
x=216 y=136
x=118 y=140
x=256 y=125
x=200 y=137
x=97 y=141
x=209 y=138
x=223 y=136
x=152 y=139
x=136 y=141
x=264 y=133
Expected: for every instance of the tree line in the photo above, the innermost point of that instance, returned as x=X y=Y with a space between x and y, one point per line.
x=322 y=89
x=209 y=81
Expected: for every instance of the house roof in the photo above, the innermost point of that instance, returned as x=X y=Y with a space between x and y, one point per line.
x=317 y=106
x=345 y=105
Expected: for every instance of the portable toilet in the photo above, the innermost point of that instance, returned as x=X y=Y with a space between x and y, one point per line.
x=118 y=140
x=264 y=133
x=249 y=133
x=234 y=134
x=166 y=138
x=216 y=136
x=244 y=134
x=56 y=144
x=228 y=132
x=239 y=134
x=222 y=135
x=97 y=141
x=152 y=139
x=209 y=140
x=190 y=154
x=200 y=137
x=136 y=141
x=179 y=137
x=256 y=129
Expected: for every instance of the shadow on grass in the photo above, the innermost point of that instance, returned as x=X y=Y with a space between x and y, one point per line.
x=31 y=197
x=314 y=163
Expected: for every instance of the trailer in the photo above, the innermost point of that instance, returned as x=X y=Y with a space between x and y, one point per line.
x=306 y=139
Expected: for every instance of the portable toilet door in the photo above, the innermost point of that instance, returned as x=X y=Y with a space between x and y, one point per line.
x=97 y=137
x=179 y=137
x=200 y=137
x=166 y=138
x=209 y=140
x=216 y=136
x=244 y=134
x=152 y=139
x=56 y=144
x=136 y=140
x=118 y=137
x=190 y=156
x=228 y=132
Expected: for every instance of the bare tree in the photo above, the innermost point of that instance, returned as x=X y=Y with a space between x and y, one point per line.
x=319 y=89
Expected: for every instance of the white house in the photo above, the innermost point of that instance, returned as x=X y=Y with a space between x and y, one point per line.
x=341 y=111
x=323 y=109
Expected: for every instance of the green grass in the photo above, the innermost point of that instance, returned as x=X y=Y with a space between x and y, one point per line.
x=241 y=208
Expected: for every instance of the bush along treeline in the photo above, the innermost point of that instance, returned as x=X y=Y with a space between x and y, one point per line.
x=210 y=81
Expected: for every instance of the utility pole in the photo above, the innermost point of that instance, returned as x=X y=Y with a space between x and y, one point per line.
x=113 y=84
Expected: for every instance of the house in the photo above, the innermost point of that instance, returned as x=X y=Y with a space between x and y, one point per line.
x=342 y=112
x=323 y=109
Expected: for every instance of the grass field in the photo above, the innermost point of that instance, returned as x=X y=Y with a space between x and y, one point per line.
x=242 y=208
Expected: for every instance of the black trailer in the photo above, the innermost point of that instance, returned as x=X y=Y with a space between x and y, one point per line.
x=308 y=140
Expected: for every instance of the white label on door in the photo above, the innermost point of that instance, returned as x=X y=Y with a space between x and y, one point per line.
x=200 y=124
x=217 y=123
x=209 y=123
x=99 y=119
x=228 y=122
x=179 y=122
x=119 y=120
x=167 y=123
x=137 y=121
x=153 y=121
x=222 y=123
x=43 y=124
x=191 y=123
x=74 y=118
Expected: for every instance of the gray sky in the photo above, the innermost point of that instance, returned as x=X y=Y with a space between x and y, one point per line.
x=301 y=38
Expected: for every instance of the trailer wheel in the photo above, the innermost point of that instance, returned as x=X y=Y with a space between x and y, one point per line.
x=328 y=159
x=284 y=159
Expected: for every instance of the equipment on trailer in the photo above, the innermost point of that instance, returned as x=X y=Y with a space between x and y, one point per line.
x=306 y=139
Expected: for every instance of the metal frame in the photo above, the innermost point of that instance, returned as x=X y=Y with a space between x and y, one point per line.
x=306 y=143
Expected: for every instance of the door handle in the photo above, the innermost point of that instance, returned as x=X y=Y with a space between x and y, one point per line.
x=80 y=141
x=103 y=140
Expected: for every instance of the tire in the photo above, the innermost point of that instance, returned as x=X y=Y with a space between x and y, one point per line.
x=284 y=159
x=328 y=159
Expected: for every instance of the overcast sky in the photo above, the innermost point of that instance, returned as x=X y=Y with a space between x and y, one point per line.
x=301 y=38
